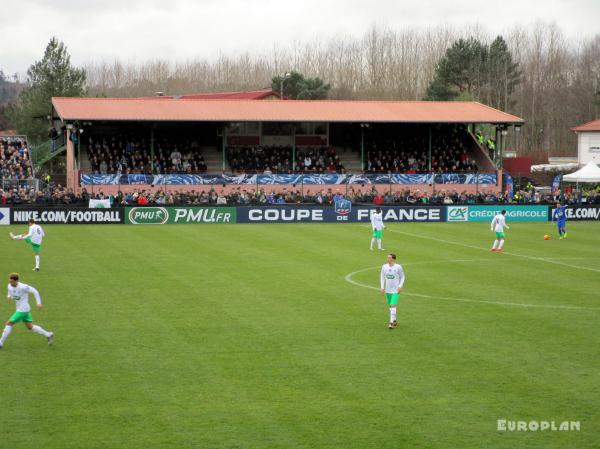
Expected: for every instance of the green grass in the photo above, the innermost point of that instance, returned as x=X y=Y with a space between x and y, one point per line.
x=249 y=336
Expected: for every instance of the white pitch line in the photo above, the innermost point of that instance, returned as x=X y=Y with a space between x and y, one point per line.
x=348 y=278
x=541 y=259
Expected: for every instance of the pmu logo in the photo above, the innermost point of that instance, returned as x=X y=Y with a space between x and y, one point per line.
x=342 y=209
x=148 y=215
x=458 y=213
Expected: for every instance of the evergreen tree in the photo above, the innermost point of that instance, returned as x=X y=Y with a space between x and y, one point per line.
x=504 y=74
x=469 y=70
x=461 y=72
x=52 y=76
x=297 y=87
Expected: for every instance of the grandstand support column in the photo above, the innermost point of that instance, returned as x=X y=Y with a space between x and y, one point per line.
x=293 y=147
x=223 y=142
x=362 y=145
x=152 y=148
x=70 y=160
x=429 y=150
x=499 y=180
x=503 y=134
x=496 y=152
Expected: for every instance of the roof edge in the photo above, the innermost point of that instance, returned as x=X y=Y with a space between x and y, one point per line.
x=581 y=127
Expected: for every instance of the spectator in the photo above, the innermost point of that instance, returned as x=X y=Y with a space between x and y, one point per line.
x=176 y=158
x=53 y=135
x=221 y=200
x=379 y=199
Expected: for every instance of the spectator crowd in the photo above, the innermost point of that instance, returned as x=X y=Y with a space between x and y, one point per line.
x=396 y=150
x=15 y=163
x=407 y=151
x=61 y=196
x=278 y=159
x=128 y=153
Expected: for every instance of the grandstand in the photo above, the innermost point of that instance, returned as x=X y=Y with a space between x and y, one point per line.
x=134 y=140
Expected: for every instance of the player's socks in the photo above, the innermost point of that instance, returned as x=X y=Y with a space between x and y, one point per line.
x=495 y=245
x=372 y=243
x=38 y=330
x=392 y=314
x=565 y=234
x=379 y=244
x=501 y=244
x=37 y=261
x=5 y=334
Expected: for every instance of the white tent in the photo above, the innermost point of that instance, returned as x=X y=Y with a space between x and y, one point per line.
x=552 y=167
x=589 y=173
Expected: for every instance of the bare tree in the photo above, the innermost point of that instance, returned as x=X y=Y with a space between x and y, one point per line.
x=559 y=84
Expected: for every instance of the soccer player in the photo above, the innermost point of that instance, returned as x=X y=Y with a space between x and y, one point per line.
x=392 y=280
x=498 y=225
x=377 y=225
x=19 y=293
x=34 y=238
x=560 y=214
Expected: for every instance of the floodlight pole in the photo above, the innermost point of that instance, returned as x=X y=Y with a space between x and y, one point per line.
x=283 y=78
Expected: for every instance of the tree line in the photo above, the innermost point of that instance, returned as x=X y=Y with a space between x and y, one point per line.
x=552 y=82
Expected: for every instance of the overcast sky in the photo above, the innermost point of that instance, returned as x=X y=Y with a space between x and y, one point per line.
x=177 y=30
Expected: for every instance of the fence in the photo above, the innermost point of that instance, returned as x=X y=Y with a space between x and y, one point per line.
x=28 y=184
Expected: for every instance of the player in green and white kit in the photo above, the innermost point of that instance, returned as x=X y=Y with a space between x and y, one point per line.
x=34 y=238
x=498 y=225
x=392 y=280
x=19 y=293
x=377 y=225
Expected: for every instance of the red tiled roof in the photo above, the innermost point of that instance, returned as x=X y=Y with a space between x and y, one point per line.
x=249 y=95
x=594 y=125
x=157 y=109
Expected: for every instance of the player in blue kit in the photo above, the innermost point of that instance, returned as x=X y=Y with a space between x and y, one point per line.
x=560 y=215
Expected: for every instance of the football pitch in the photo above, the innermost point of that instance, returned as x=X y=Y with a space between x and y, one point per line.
x=275 y=336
